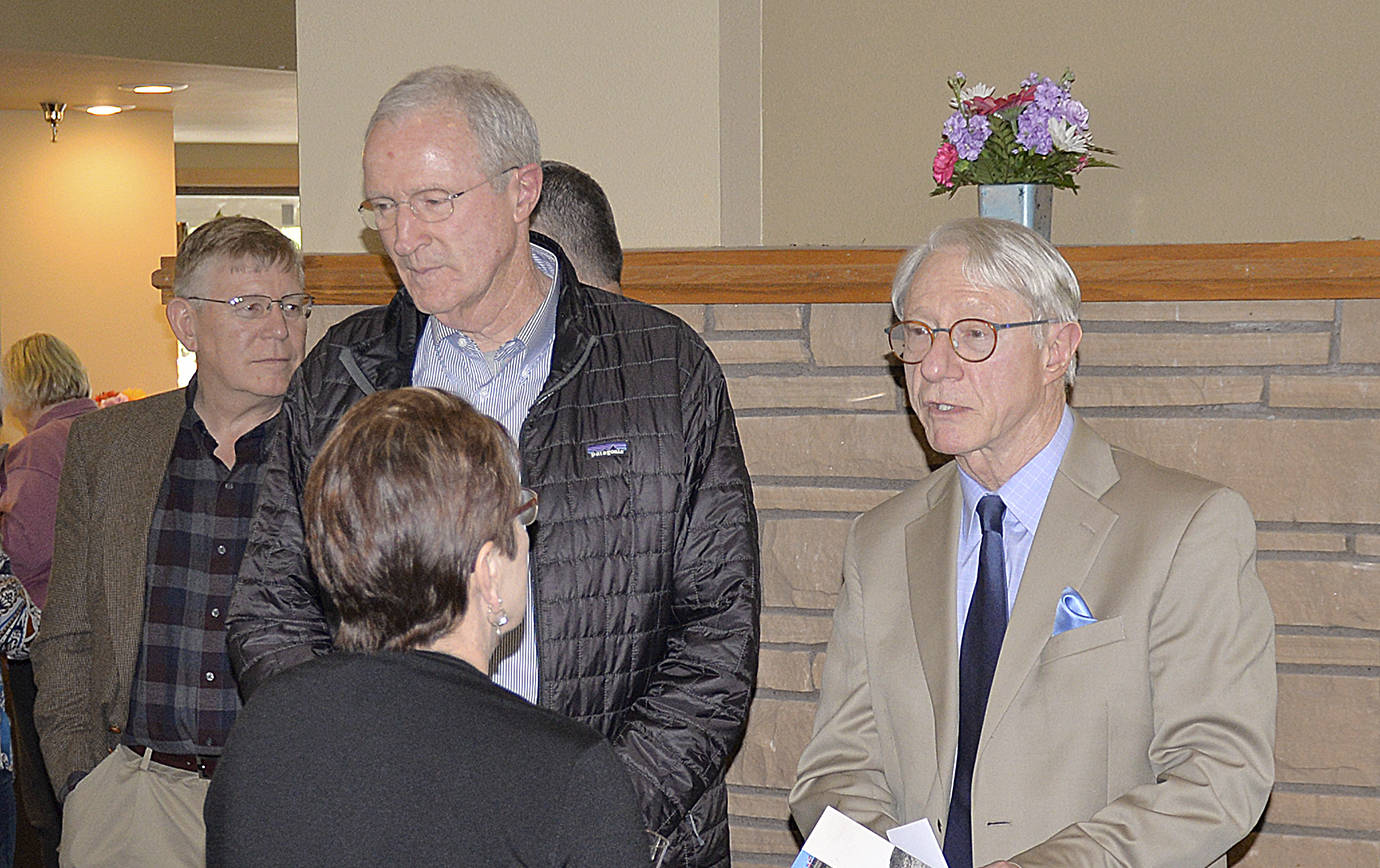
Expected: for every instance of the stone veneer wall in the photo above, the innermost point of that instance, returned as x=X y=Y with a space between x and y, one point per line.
x=1279 y=399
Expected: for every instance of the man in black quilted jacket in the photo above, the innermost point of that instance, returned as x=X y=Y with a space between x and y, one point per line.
x=644 y=598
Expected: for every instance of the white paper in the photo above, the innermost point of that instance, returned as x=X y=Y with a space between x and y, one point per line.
x=918 y=840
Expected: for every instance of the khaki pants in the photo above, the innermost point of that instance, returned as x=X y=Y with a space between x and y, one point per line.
x=130 y=811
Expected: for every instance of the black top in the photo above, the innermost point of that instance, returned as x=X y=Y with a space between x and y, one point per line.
x=414 y=758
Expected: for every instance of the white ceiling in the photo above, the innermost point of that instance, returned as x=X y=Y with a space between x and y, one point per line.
x=222 y=104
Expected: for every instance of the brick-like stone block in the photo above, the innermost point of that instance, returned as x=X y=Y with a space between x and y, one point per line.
x=693 y=314
x=878 y=392
x=1342 y=709
x=1171 y=391
x=1324 y=811
x=874 y=445
x=1284 y=467
x=1323 y=593
x=756 y=352
x=776 y=735
x=1368 y=545
x=791 y=628
x=756 y=317
x=1168 y=349
x=1270 y=850
x=1360 y=330
x=1313 y=650
x=1330 y=391
x=851 y=335
x=775 y=839
x=1208 y=311
x=810 y=498
x=802 y=561
x=1303 y=541
x=771 y=805
x=786 y=670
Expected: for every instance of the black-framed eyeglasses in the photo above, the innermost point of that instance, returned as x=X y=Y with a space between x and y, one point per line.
x=295 y=305
x=429 y=206
x=527 y=507
x=973 y=339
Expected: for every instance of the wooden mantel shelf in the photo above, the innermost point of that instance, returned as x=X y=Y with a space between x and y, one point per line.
x=1149 y=272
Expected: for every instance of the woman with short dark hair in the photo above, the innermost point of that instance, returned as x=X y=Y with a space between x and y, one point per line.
x=404 y=752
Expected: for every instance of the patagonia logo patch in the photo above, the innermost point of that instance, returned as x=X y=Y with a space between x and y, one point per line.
x=606 y=450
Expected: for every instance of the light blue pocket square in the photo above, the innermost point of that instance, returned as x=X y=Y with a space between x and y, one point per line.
x=1072 y=612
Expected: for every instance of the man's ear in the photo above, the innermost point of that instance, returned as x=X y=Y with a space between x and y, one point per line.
x=182 y=318
x=1060 y=346
x=528 y=191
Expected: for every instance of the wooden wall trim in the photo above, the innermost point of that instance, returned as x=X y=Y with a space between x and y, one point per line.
x=1148 y=272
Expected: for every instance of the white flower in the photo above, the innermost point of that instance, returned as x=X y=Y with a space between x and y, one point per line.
x=1068 y=137
x=972 y=91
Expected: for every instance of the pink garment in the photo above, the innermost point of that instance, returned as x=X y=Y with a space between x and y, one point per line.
x=28 y=495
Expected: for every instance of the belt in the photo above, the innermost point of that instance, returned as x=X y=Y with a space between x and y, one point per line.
x=205 y=766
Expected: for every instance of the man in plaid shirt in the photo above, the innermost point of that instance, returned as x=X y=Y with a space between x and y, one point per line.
x=136 y=695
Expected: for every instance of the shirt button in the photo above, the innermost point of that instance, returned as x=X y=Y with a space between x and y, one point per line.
x=210 y=676
x=215 y=613
x=220 y=550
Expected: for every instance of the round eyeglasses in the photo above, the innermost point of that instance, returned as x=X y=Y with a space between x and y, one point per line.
x=428 y=206
x=294 y=306
x=527 y=507
x=973 y=339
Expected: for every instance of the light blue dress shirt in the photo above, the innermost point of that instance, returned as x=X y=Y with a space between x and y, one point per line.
x=503 y=384
x=1024 y=494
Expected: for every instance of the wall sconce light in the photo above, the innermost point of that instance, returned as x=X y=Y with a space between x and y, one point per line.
x=52 y=113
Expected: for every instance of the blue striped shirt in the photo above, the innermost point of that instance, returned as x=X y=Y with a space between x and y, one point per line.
x=504 y=384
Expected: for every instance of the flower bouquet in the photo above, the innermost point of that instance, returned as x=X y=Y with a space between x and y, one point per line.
x=1037 y=135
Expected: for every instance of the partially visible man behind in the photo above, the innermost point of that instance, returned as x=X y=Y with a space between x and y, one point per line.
x=135 y=691
x=576 y=214
x=642 y=618
x=1056 y=651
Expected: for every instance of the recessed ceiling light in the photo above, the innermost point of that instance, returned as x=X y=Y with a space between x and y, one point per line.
x=105 y=109
x=153 y=87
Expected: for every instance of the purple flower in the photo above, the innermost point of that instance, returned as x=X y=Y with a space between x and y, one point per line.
x=1030 y=79
x=1075 y=113
x=968 y=135
x=1048 y=95
x=1032 y=130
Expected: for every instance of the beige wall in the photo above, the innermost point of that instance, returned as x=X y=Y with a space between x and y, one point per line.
x=204 y=164
x=88 y=218
x=1234 y=121
x=625 y=90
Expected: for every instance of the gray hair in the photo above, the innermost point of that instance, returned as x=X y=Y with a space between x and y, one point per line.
x=575 y=212
x=1001 y=255
x=235 y=240
x=502 y=127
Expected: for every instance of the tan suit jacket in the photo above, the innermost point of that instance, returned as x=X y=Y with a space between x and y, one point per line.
x=88 y=646
x=1143 y=739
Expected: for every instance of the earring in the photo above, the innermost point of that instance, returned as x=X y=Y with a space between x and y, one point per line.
x=500 y=620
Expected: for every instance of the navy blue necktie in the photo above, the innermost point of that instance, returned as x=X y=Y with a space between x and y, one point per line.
x=977 y=660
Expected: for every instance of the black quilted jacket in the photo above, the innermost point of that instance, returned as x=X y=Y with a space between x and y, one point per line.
x=644 y=559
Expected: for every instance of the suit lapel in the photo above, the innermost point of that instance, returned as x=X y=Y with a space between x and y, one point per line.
x=1073 y=528
x=136 y=482
x=932 y=563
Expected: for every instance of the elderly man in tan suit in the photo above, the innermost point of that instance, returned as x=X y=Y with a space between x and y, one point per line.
x=1056 y=651
x=135 y=691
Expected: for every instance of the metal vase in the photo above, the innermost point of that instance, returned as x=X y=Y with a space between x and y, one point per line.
x=1027 y=204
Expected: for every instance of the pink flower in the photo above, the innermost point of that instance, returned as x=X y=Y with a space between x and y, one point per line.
x=988 y=105
x=944 y=164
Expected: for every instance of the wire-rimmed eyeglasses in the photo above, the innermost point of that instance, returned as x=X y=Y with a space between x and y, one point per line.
x=527 y=507
x=973 y=339
x=429 y=206
x=296 y=305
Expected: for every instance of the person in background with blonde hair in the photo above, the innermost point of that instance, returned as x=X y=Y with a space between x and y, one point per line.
x=46 y=389
x=401 y=751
